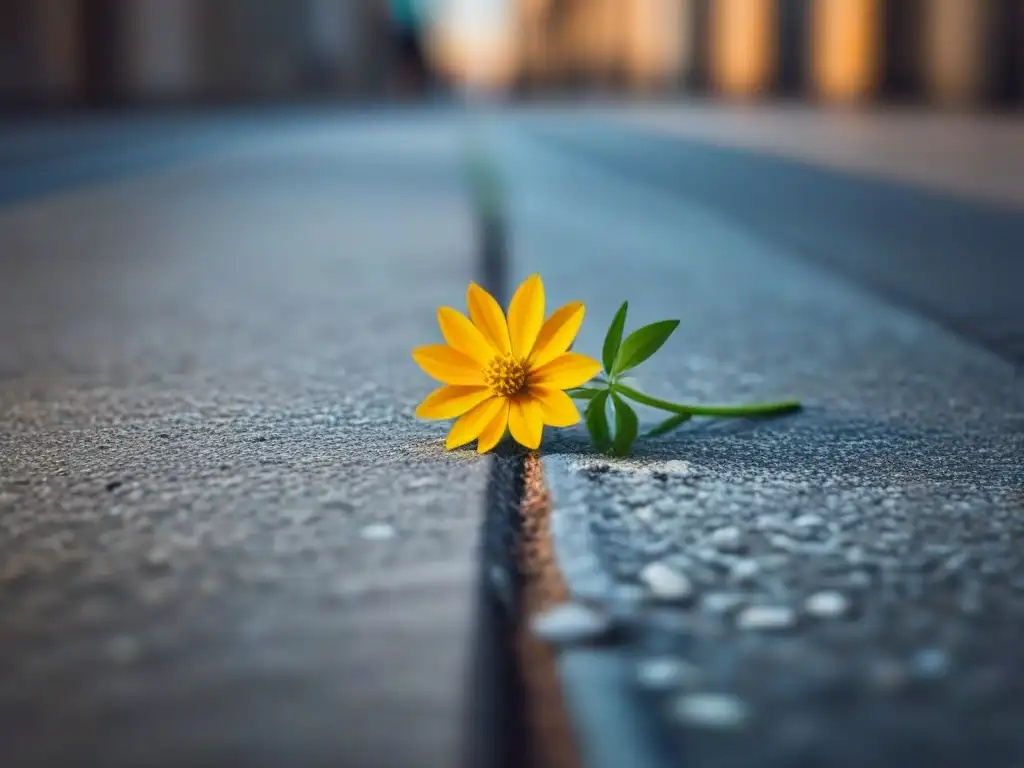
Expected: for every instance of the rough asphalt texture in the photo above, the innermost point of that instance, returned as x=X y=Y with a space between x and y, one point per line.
x=952 y=259
x=878 y=535
x=223 y=537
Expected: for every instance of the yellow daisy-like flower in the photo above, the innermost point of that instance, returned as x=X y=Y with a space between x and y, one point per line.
x=502 y=374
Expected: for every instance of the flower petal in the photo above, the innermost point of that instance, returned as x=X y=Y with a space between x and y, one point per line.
x=451 y=402
x=495 y=430
x=486 y=315
x=557 y=408
x=526 y=421
x=526 y=315
x=468 y=427
x=566 y=371
x=463 y=336
x=557 y=334
x=449 y=365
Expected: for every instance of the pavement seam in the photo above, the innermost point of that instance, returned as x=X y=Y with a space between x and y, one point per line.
x=543 y=589
x=611 y=726
x=497 y=734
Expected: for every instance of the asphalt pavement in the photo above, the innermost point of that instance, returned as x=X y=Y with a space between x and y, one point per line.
x=839 y=587
x=224 y=539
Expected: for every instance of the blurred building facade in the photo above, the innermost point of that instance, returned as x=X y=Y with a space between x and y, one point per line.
x=961 y=52
x=127 y=51
x=958 y=52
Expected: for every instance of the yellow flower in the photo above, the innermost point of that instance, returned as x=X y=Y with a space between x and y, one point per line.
x=502 y=374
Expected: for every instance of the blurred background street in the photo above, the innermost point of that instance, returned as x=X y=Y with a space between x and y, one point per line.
x=224 y=224
x=133 y=52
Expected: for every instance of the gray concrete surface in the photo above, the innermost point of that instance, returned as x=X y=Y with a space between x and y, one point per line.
x=969 y=154
x=953 y=259
x=223 y=537
x=898 y=489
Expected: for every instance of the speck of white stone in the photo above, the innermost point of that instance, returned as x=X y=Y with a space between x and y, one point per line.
x=666 y=583
x=569 y=624
x=123 y=649
x=766 y=617
x=810 y=520
x=676 y=467
x=717 y=711
x=722 y=602
x=663 y=672
x=158 y=557
x=377 y=532
x=930 y=663
x=728 y=539
x=827 y=604
x=500 y=580
x=644 y=514
x=744 y=570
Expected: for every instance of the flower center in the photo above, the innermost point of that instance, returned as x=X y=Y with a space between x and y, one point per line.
x=505 y=375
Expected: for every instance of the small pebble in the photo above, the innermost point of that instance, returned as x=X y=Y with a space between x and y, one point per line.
x=722 y=602
x=745 y=570
x=501 y=583
x=827 y=605
x=570 y=623
x=666 y=583
x=717 y=711
x=809 y=521
x=378 y=532
x=728 y=539
x=766 y=617
x=664 y=672
x=930 y=664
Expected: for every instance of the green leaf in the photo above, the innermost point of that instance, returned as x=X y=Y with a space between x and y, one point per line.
x=583 y=393
x=669 y=424
x=597 y=421
x=641 y=344
x=627 y=426
x=613 y=338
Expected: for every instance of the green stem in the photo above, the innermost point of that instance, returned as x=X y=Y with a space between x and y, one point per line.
x=755 y=409
x=583 y=393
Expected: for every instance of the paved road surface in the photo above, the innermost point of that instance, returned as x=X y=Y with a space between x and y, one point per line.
x=878 y=535
x=223 y=538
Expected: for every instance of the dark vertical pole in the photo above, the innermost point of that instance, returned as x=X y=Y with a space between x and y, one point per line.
x=1006 y=57
x=699 y=77
x=794 y=36
x=102 y=37
x=15 y=53
x=901 y=50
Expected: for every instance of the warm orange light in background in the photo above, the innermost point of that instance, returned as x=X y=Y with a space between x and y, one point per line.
x=845 y=45
x=954 y=49
x=484 y=58
x=743 y=43
x=654 y=33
